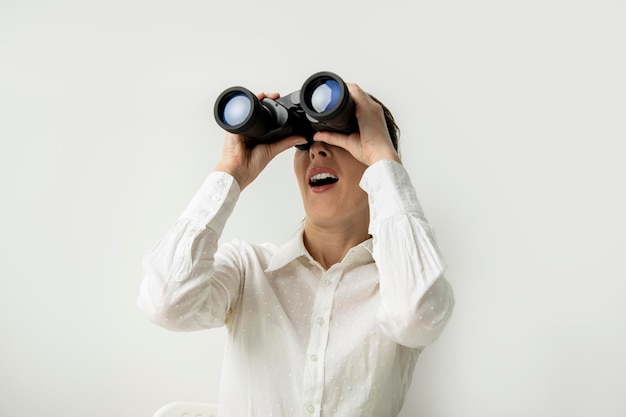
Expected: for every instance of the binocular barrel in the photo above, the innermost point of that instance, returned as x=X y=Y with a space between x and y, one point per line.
x=322 y=104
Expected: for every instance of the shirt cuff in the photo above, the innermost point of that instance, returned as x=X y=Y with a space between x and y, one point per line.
x=214 y=202
x=390 y=190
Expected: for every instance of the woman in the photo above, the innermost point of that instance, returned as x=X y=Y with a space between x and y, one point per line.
x=331 y=323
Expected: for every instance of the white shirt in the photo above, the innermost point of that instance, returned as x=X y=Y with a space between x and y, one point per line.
x=304 y=341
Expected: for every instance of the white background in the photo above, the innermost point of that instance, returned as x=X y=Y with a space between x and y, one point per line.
x=513 y=128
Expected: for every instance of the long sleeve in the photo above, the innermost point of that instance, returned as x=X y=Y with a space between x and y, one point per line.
x=186 y=286
x=416 y=299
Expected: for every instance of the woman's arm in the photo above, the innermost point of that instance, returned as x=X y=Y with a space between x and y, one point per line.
x=186 y=284
x=416 y=299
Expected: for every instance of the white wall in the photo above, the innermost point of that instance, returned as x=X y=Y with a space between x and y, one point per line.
x=512 y=118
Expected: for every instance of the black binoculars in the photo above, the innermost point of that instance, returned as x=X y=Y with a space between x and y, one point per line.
x=322 y=104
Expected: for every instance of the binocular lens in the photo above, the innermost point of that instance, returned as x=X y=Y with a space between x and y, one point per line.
x=237 y=109
x=326 y=96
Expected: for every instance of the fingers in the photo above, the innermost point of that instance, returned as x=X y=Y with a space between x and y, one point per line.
x=359 y=96
x=286 y=143
x=356 y=92
x=331 y=138
x=366 y=107
x=263 y=95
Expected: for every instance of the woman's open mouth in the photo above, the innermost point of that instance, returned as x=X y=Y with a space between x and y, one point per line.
x=321 y=179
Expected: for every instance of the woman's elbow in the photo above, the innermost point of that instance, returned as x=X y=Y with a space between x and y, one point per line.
x=422 y=325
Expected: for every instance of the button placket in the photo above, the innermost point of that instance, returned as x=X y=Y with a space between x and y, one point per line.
x=318 y=341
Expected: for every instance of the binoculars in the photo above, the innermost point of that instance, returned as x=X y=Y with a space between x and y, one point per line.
x=322 y=104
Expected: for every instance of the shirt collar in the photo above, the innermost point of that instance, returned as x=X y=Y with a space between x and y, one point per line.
x=294 y=248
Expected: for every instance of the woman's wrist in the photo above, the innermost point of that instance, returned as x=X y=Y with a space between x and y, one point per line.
x=233 y=173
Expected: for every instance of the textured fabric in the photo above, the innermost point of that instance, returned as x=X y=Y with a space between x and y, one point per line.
x=304 y=341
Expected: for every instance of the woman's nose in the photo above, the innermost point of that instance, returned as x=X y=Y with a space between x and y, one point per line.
x=318 y=149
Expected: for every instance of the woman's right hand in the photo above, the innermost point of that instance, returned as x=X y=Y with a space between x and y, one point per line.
x=244 y=162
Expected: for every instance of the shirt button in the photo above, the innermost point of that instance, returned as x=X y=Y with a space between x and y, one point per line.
x=327 y=282
x=216 y=197
x=310 y=408
x=320 y=321
x=313 y=358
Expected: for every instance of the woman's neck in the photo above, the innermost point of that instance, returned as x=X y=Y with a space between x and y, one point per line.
x=329 y=245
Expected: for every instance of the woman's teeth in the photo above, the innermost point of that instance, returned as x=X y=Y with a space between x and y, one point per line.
x=323 y=178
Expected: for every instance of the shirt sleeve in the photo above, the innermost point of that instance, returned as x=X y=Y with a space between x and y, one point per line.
x=186 y=285
x=416 y=299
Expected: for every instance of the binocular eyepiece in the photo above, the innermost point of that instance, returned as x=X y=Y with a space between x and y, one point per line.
x=322 y=104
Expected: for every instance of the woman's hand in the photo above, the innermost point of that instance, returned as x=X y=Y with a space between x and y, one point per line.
x=372 y=143
x=244 y=162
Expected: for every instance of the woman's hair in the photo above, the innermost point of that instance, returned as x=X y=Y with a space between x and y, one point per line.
x=392 y=127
